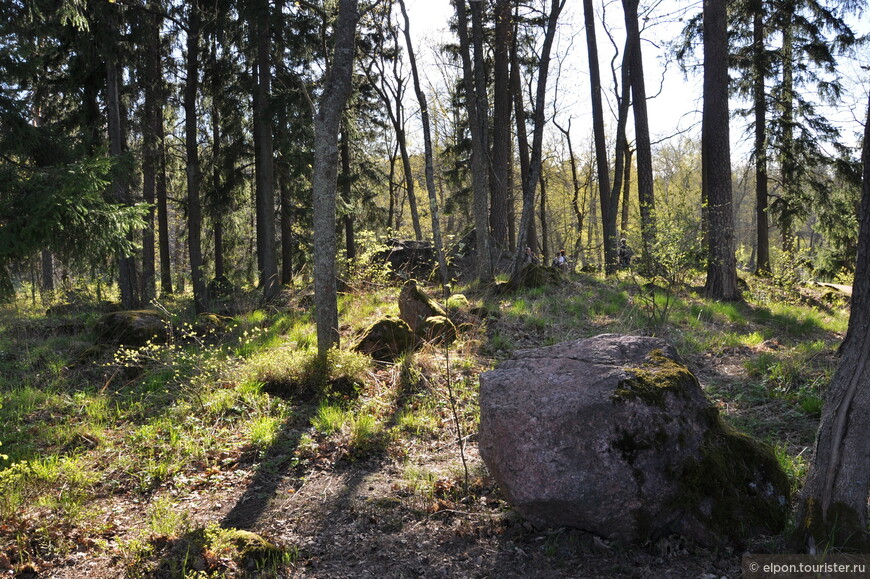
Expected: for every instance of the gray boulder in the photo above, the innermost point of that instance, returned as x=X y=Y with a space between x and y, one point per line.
x=614 y=436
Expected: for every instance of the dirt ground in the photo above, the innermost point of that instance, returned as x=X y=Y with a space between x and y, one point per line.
x=360 y=518
x=355 y=519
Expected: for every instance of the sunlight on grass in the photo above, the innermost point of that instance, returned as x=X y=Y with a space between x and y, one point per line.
x=417 y=422
x=166 y=518
x=331 y=419
x=420 y=480
x=263 y=431
x=794 y=466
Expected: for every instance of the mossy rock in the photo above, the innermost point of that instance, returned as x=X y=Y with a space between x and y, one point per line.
x=438 y=330
x=387 y=339
x=530 y=276
x=133 y=328
x=415 y=305
x=208 y=324
x=613 y=434
x=457 y=302
x=253 y=550
x=660 y=377
x=735 y=486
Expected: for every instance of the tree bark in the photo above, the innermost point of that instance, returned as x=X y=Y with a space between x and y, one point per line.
x=530 y=235
x=153 y=172
x=477 y=126
x=721 y=281
x=501 y=126
x=608 y=203
x=626 y=188
x=832 y=513
x=267 y=259
x=428 y=152
x=327 y=121
x=346 y=192
x=191 y=146
x=762 y=263
x=286 y=231
x=645 y=190
x=120 y=187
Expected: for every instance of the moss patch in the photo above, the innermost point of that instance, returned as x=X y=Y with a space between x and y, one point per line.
x=438 y=330
x=652 y=382
x=131 y=328
x=735 y=486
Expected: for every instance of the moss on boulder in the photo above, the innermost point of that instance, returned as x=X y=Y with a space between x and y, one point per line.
x=415 y=305
x=613 y=435
x=132 y=328
x=386 y=339
x=438 y=330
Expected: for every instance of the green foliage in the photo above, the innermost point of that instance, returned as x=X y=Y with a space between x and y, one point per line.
x=331 y=419
x=367 y=270
x=63 y=209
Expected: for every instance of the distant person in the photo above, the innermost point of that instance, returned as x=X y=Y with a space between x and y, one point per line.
x=530 y=256
x=625 y=254
x=560 y=262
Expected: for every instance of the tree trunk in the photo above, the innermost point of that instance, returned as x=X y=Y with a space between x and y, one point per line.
x=645 y=190
x=477 y=126
x=119 y=187
x=577 y=205
x=286 y=232
x=194 y=204
x=217 y=152
x=626 y=188
x=789 y=154
x=721 y=281
x=345 y=182
x=762 y=263
x=428 y=152
x=327 y=121
x=535 y=161
x=267 y=259
x=501 y=125
x=530 y=236
x=152 y=144
x=832 y=514
x=622 y=156
x=608 y=203
x=545 y=231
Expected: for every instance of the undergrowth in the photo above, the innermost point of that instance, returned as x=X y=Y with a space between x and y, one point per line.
x=82 y=424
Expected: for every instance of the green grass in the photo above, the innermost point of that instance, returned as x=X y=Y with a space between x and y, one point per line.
x=138 y=422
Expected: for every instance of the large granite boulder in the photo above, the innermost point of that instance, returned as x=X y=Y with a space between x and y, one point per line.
x=613 y=435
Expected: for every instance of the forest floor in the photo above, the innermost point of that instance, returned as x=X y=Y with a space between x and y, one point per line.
x=418 y=506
